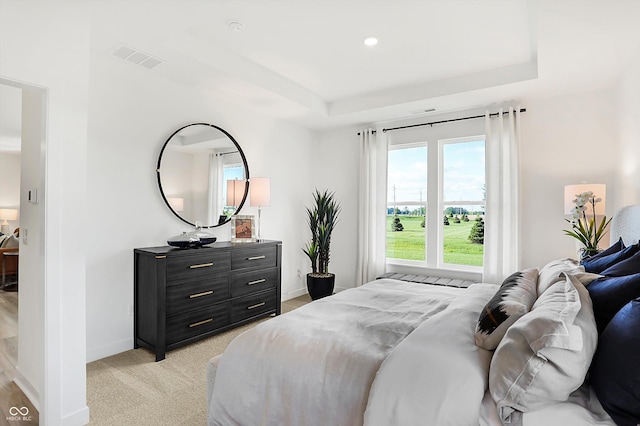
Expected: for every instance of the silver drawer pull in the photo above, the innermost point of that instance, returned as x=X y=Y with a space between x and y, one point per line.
x=204 y=293
x=256 y=281
x=256 y=306
x=161 y=257
x=256 y=257
x=202 y=265
x=195 y=324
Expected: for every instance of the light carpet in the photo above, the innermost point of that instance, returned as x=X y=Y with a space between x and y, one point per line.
x=130 y=388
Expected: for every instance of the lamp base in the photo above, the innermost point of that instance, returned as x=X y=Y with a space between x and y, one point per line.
x=5 y=229
x=259 y=236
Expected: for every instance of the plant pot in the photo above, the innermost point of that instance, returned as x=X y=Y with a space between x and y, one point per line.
x=320 y=286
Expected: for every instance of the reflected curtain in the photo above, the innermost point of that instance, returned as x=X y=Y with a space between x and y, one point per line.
x=216 y=178
x=501 y=253
x=372 y=195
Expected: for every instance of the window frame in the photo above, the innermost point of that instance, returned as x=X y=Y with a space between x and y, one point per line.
x=434 y=246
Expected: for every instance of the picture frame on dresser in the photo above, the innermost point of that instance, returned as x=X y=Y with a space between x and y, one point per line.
x=243 y=229
x=185 y=295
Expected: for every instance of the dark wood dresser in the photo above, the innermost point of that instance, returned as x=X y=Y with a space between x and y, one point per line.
x=184 y=295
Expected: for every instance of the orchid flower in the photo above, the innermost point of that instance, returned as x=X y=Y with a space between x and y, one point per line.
x=584 y=229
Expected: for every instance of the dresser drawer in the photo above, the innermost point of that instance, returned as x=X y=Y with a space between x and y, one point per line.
x=205 y=263
x=262 y=257
x=197 y=294
x=195 y=323
x=255 y=304
x=253 y=281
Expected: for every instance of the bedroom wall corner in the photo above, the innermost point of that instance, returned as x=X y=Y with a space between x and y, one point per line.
x=628 y=107
x=336 y=167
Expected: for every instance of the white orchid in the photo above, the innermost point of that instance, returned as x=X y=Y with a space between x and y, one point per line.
x=583 y=229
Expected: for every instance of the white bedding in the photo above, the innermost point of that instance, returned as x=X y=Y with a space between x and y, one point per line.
x=388 y=353
x=437 y=375
x=582 y=408
x=315 y=365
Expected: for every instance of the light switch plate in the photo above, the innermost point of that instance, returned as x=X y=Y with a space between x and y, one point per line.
x=32 y=196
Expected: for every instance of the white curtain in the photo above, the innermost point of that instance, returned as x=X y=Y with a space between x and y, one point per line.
x=216 y=180
x=372 y=205
x=501 y=257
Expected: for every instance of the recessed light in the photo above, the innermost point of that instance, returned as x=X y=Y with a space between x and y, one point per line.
x=371 y=41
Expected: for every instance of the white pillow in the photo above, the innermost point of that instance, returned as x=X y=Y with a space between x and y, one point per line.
x=514 y=298
x=550 y=273
x=546 y=354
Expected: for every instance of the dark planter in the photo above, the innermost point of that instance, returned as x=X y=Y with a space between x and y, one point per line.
x=320 y=287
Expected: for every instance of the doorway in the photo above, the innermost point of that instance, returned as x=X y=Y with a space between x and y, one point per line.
x=20 y=291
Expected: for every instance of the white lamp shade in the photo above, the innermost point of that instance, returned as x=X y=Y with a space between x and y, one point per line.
x=235 y=192
x=8 y=214
x=571 y=191
x=177 y=204
x=260 y=192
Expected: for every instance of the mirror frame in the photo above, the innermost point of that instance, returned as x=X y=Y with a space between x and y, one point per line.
x=244 y=162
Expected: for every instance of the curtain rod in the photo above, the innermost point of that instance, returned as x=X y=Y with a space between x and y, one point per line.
x=226 y=153
x=493 y=114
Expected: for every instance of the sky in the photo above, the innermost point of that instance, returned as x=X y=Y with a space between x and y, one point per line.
x=463 y=176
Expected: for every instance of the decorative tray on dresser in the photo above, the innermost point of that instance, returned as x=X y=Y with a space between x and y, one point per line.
x=184 y=295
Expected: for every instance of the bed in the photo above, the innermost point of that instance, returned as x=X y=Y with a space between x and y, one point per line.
x=528 y=351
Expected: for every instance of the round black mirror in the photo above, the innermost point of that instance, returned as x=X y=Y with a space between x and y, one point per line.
x=203 y=175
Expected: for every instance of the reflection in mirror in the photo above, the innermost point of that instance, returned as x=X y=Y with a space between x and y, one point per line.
x=195 y=165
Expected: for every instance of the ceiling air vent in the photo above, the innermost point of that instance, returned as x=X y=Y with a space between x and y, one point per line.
x=137 y=57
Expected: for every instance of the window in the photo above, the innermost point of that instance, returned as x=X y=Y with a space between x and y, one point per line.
x=435 y=202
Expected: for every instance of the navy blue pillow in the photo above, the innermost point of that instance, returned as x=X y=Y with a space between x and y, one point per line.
x=615 y=370
x=615 y=247
x=596 y=264
x=628 y=266
x=609 y=294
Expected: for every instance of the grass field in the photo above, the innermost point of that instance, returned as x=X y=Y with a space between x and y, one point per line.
x=409 y=244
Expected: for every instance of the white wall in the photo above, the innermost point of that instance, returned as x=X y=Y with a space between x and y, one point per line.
x=125 y=208
x=628 y=112
x=10 y=183
x=51 y=67
x=566 y=140
x=336 y=168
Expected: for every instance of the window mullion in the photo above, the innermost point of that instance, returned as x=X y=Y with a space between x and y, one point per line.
x=434 y=218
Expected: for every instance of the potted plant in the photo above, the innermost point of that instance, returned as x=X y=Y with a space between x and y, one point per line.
x=322 y=219
x=586 y=229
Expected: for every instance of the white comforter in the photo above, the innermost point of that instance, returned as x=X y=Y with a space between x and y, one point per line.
x=437 y=375
x=317 y=364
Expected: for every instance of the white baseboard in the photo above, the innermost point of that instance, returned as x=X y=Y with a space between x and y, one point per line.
x=28 y=389
x=78 y=418
x=294 y=294
x=108 y=350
